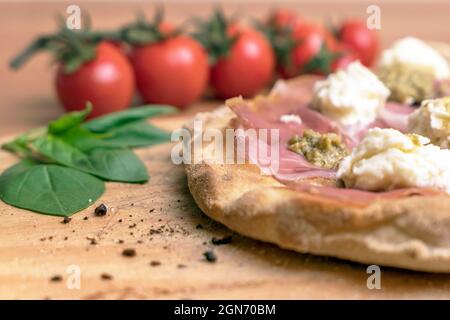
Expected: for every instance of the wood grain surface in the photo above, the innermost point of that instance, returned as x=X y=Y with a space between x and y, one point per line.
x=160 y=220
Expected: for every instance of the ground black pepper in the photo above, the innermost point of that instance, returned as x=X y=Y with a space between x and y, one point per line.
x=129 y=252
x=210 y=256
x=101 y=210
x=106 y=276
x=66 y=220
x=220 y=241
x=56 y=278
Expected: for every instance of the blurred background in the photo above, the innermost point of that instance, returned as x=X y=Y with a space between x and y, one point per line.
x=27 y=96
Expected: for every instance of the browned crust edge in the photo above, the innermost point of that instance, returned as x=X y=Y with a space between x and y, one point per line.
x=411 y=233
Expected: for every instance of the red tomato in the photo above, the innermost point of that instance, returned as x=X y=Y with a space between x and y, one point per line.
x=107 y=82
x=173 y=71
x=285 y=18
x=248 y=67
x=364 y=42
x=311 y=37
x=166 y=27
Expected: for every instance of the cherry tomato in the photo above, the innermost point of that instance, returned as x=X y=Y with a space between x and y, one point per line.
x=312 y=38
x=107 y=82
x=364 y=42
x=174 y=71
x=284 y=18
x=248 y=67
x=166 y=27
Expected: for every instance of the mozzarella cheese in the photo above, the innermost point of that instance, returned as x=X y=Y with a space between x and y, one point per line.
x=387 y=159
x=350 y=96
x=286 y=118
x=412 y=51
x=432 y=120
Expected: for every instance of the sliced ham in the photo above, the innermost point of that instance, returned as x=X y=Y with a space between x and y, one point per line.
x=265 y=113
x=395 y=115
x=294 y=170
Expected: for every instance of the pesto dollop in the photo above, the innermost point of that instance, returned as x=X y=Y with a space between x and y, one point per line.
x=323 y=150
x=408 y=83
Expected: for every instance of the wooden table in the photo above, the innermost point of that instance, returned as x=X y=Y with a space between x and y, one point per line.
x=159 y=220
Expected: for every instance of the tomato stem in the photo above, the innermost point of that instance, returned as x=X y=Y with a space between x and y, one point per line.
x=37 y=45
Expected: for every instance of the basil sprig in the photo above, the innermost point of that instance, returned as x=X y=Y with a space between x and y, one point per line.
x=65 y=165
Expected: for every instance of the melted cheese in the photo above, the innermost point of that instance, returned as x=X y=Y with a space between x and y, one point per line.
x=386 y=159
x=350 y=96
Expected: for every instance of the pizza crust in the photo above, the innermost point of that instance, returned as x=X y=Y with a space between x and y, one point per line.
x=411 y=233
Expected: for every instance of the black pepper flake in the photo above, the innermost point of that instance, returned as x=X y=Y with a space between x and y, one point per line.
x=155 y=263
x=106 y=276
x=120 y=220
x=56 y=278
x=151 y=210
x=101 y=210
x=129 y=252
x=131 y=226
x=92 y=241
x=66 y=220
x=219 y=241
x=210 y=256
x=85 y=218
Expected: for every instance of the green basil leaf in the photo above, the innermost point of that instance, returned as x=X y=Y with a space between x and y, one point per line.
x=49 y=189
x=117 y=119
x=18 y=146
x=85 y=140
x=119 y=164
x=69 y=120
x=136 y=134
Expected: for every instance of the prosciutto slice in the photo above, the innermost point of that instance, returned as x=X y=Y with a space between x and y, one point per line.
x=265 y=113
x=294 y=170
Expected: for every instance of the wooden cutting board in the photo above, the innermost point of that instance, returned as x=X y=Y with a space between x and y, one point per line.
x=161 y=222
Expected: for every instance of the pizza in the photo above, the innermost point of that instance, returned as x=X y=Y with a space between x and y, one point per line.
x=355 y=165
